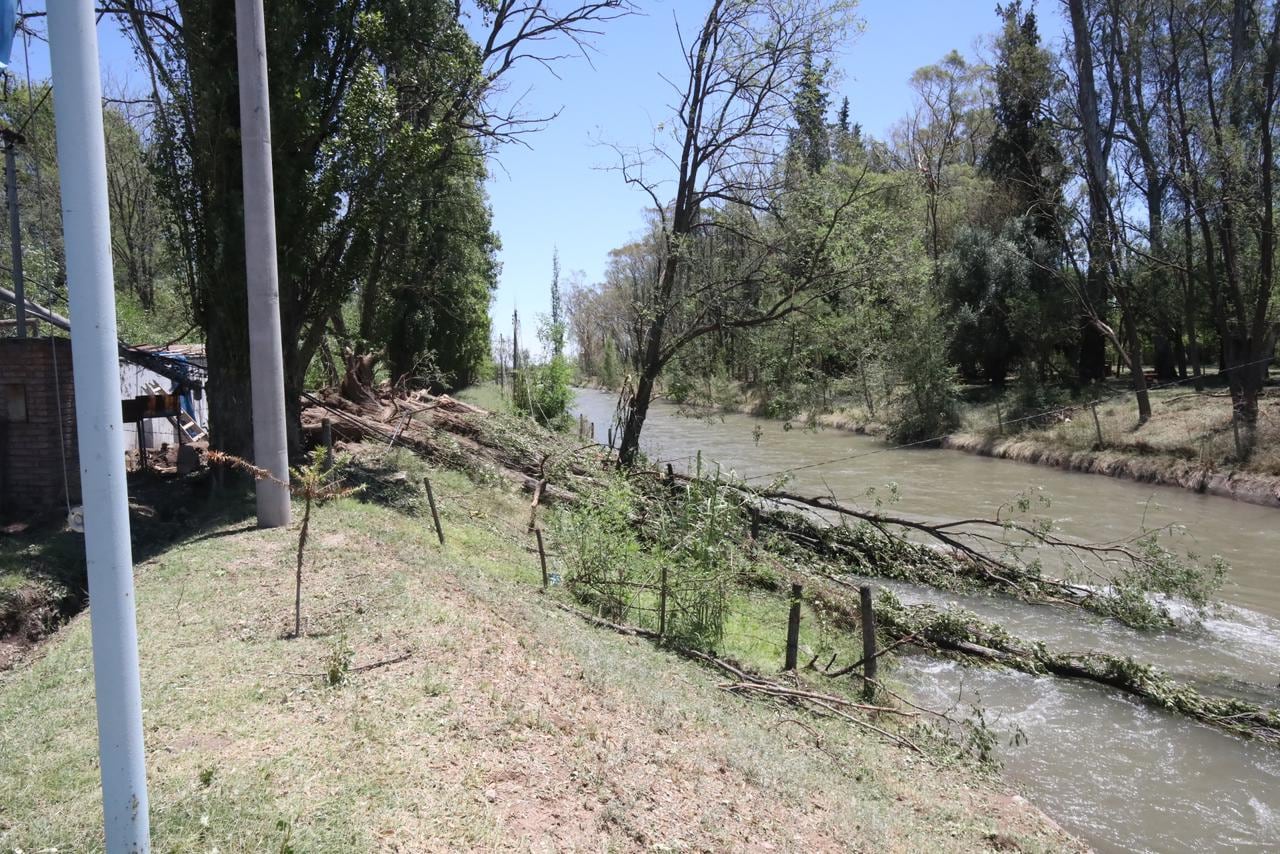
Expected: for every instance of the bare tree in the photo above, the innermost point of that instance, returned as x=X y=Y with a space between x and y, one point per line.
x=718 y=156
x=1104 y=277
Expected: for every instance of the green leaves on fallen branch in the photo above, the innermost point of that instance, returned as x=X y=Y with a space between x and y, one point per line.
x=964 y=634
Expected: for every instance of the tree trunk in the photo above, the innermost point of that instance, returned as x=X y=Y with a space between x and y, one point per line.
x=227 y=351
x=1139 y=378
x=1189 y=297
x=636 y=413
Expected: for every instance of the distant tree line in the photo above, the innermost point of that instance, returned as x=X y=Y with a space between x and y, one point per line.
x=1039 y=216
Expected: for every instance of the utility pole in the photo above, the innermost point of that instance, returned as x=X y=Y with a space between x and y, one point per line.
x=515 y=342
x=502 y=363
x=82 y=163
x=11 y=138
x=266 y=352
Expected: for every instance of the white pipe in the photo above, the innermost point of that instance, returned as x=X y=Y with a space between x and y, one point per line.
x=266 y=354
x=82 y=163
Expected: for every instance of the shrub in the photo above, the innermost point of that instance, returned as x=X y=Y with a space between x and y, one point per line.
x=543 y=392
x=610 y=570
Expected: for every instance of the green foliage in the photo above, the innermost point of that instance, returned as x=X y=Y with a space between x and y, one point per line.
x=159 y=323
x=543 y=392
x=557 y=328
x=1033 y=404
x=1139 y=595
x=625 y=551
x=811 y=140
x=610 y=369
x=698 y=539
x=337 y=665
x=607 y=568
x=925 y=404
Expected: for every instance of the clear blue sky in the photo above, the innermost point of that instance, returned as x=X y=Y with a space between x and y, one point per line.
x=560 y=191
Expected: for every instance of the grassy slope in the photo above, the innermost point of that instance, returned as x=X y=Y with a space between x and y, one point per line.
x=512 y=724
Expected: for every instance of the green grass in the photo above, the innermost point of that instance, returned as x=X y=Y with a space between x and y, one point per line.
x=1186 y=428
x=487 y=396
x=512 y=723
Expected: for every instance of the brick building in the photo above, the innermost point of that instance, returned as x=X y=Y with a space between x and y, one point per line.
x=37 y=426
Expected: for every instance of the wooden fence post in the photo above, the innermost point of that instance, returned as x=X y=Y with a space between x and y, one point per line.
x=1097 y=425
x=662 y=602
x=542 y=557
x=1000 y=417
x=582 y=426
x=540 y=488
x=755 y=523
x=869 y=659
x=793 y=628
x=435 y=517
x=326 y=441
x=593 y=431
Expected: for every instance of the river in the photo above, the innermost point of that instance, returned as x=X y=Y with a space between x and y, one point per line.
x=1121 y=775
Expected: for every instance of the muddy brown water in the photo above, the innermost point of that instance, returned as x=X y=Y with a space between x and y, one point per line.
x=1122 y=775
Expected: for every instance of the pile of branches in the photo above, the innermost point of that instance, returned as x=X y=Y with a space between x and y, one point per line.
x=455 y=434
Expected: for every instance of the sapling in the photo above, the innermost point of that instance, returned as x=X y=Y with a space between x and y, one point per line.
x=314 y=484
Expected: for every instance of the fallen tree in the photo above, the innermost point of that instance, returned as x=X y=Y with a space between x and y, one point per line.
x=452 y=433
x=963 y=634
x=1121 y=579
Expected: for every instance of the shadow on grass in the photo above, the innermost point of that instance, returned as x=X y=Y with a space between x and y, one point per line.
x=43 y=577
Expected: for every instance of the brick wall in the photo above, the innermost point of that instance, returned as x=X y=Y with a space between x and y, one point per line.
x=35 y=375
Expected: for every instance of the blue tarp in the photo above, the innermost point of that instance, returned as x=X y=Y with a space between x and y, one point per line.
x=8 y=26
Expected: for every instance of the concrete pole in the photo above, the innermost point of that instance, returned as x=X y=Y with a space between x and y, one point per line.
x=82 y=163
x=15 y=227
x=266 y=353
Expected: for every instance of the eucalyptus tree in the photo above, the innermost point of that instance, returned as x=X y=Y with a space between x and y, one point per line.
x=718 y=157
x=1106 y=278
x=947 y=129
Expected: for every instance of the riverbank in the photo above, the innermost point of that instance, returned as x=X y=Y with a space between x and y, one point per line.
x=1161 y=470
x=438 y=701
x=1188 y=442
